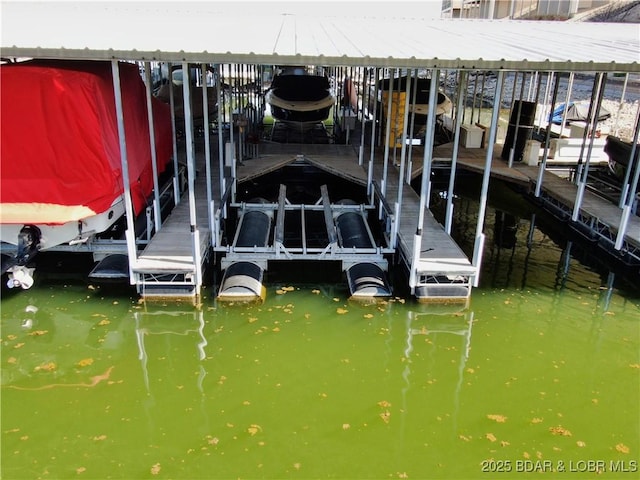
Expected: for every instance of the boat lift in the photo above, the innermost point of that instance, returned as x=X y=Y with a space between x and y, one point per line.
x=247 y=258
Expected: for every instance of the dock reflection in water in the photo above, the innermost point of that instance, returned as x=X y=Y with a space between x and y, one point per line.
x=541 y=366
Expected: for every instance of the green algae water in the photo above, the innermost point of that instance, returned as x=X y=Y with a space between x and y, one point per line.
x=540 y=375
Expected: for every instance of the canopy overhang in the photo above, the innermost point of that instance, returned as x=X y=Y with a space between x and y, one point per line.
x=216 y=32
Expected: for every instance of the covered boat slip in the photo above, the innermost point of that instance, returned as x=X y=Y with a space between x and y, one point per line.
x=327 y=228
x=441 y=262
x=174 y=259
x=442 y=272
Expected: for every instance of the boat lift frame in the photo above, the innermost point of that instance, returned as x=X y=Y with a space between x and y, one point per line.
x=277 y=250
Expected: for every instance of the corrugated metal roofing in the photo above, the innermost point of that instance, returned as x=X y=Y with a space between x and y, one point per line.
x=219 y=33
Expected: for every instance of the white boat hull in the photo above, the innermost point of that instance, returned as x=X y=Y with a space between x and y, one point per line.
x=74 y=232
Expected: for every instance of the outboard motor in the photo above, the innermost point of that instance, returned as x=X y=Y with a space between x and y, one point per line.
x=28 y=246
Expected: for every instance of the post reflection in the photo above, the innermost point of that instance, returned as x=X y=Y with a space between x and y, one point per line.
x=163 y=324
x=434 y=322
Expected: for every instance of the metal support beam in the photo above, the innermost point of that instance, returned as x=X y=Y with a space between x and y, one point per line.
x=631 y=190
x=279 y=231
x=191 y=173
x=448 y=220
x=220 y=137
x=547 y=140
x=207 y=145
x=157 y=219
x=387 y=136
x=124 y=163
x=594 y=112
x=372 y=146
x=328 y=216
x=479 y=242
x=176 y=167
x=425 y=188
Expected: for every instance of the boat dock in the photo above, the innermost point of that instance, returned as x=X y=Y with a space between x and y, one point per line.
x=597 y=219
x=172 y=262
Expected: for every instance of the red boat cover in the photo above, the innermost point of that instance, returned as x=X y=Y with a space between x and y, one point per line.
x=60 y=150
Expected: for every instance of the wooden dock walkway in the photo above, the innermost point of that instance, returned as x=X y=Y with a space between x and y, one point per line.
x=166 y=266
x=439 y=253
x=597 y=212
x=335 y=159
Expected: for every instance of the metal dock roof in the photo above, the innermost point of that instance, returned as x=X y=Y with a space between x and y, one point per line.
x=240 y=32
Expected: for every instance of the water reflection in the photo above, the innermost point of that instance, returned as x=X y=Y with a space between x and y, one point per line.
x=431 y=323
x=37 y=336
x=161 y=323
x=310 y=385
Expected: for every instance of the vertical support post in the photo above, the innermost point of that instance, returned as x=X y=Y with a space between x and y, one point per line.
x=627 y=176
x=465 y=89
x=414 y=94
x=328 y=218
x=484 y=77
x=373 y=133
x=448 y=220
x=479 y=243
x=395 y=225
x=207 y=146
x=388 y=133
x=415 y=258
x=157 y=220
x=425 y=188
x=176 y=167
x=220 y=136
x=512 y=147
x=547 y=140
x=594 y=112
x=631 y=191
x=544 y=115
x=566 y=102
x=191 y=174
x=360 y=111
x=124 y=164
x=279 y=230
x=428 y=141
x=403 y=153
x=616 y=127
x=475 y=92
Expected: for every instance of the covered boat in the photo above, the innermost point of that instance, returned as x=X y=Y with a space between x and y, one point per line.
x=576 y=112
x=61 y=177
x=300 y=98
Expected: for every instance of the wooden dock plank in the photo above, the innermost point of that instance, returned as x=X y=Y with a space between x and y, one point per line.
x=330 y=158
x=255 y=167
x=592 y=205
x=170 y=249
x=337 y=165
x=436 y=245
x=473 y=159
